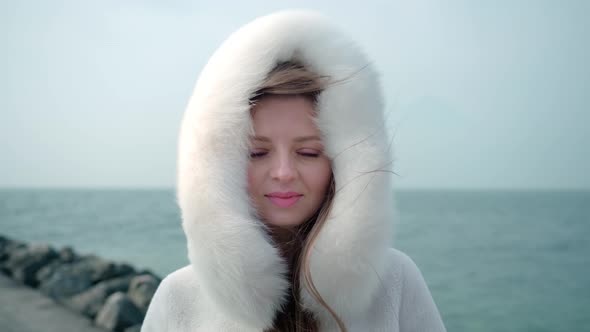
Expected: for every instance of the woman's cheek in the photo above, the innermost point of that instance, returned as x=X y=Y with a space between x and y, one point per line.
x=251 y=180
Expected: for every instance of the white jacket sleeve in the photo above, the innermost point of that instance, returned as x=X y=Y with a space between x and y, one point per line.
x=157 y=314
x=418 y=312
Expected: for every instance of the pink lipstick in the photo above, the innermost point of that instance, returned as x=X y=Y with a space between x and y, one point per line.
x=284 y=199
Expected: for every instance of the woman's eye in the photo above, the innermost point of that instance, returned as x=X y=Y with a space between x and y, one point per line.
x=309 y=154
x=257 y=154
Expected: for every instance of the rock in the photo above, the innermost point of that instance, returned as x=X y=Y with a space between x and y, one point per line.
x=7 y=248
x=147 y=271
x=142 y=289
x=91 y=301
x=3 y=241
x=66 y=281
x=103 y=270
x=5 y=244
x=25 y=262
x=118 y=313
x=67 y=255
x=134 y=328
x=74 y=278
x=46 y=271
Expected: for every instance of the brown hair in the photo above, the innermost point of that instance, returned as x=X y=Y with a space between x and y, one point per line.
x=293 y=79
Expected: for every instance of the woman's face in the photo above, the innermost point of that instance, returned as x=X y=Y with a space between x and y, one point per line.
x=288 y=173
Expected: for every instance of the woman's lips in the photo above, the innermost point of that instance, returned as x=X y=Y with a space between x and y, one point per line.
x=284 y=202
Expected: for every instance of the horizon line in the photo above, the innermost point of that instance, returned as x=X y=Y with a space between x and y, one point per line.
x=403 y=188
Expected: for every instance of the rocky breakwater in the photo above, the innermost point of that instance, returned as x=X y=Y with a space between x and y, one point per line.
x=115 y=296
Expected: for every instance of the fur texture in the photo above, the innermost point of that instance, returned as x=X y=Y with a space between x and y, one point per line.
x=240 y=271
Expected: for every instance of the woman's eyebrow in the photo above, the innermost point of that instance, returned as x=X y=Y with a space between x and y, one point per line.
x=307 y=138
x=260 y=138
x=298 y=139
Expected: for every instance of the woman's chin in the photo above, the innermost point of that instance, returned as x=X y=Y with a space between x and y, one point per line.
x=284 y=224
x=283 y=221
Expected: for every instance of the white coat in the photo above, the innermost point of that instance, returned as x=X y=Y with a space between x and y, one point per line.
x=236 y=279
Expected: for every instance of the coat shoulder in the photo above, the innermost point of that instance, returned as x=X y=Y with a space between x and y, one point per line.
x=408 y=277
x=173 y=305
x=400 y=258
x=405 y=267
x=181 y=288
x=181 y=279
x=401 y=267
x=417 y=310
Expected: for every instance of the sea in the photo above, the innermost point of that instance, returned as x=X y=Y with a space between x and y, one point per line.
x=493 y=260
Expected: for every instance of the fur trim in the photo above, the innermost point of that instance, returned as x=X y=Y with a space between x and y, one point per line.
x=239 y=268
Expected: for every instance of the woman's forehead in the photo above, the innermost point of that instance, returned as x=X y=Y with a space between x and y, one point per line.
x=276 y=116
x=297 y=139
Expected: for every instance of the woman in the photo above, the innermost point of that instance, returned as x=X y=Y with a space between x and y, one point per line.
x=285 y=195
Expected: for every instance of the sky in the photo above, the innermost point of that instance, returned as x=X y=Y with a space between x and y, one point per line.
x=479 y=95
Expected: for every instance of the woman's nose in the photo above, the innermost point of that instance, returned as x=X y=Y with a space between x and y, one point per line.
x=284 y=170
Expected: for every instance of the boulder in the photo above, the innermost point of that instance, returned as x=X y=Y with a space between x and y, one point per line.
x=148 y=271
x=46 y=271
x=67 y=255
x=67 y=280
x=142 y=289
x=91 y=301
x=118 y=313
x=74 y=278
x=5 y=244
x=7 y=248
x=103 y=270
x=25 y=262
x=134 y=328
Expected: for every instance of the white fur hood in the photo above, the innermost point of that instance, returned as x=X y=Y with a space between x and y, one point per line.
x=239 y=270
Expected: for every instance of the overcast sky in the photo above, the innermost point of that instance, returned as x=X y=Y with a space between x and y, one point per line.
x=481 y=94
